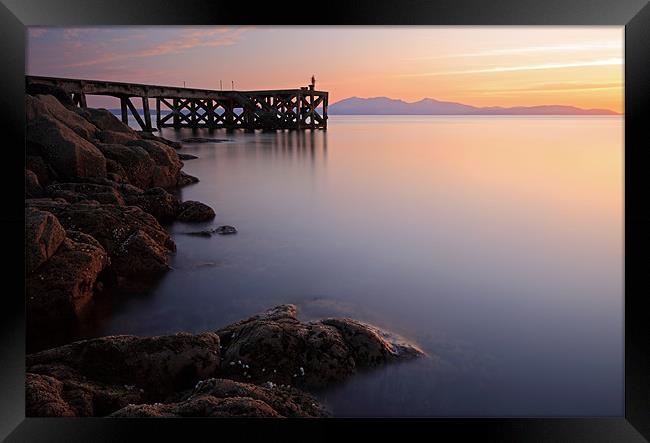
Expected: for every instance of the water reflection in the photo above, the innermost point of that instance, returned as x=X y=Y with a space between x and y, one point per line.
x=493 y=243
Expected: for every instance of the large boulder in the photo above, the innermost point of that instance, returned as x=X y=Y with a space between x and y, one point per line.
x=202 y=406
x=137 y=164
x=104 y=120
x=276 y=347
x=61 y=286
x=99 y=376
x=168 y=166
x=43 y=236
x=70 y=395
x=74 y=192
x=44 y=397
x=228 y=398
x=137 y=245
x=68 y=117
x=193 y=211
x=139 y=259
x=116 y=137
x=69 y=154
x=157 y=202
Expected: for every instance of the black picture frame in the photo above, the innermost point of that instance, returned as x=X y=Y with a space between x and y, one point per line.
x=16 y=15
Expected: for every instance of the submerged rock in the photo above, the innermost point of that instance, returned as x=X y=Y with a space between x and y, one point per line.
x=186 y=179
x=187 y=156
x=225 y=230
x=221 y=230
x=193 y=211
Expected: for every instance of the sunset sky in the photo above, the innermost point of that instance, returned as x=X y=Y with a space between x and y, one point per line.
x=482 y=66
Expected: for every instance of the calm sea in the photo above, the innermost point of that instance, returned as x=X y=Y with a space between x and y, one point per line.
x=494 y=243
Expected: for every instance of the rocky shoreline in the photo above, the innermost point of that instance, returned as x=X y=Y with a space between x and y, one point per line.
x=96 y=195
x=260 y=367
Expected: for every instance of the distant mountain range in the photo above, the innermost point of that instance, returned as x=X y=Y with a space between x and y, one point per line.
x=428 y=106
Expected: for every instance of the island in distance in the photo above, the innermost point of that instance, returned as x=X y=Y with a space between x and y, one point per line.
x=429 y=106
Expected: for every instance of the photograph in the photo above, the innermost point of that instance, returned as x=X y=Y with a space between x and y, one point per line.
x=312 y=221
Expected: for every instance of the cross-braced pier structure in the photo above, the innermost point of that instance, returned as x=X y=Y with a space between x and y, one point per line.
x=302 y=108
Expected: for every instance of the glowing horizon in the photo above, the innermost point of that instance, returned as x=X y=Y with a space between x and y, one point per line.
x=479 y=66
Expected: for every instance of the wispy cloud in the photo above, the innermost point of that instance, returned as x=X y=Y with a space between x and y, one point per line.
x=532 y=50
x=599 y=62
x=195 y=38
x=577 y=47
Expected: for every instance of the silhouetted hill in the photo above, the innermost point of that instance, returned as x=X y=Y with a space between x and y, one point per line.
x=428 y=106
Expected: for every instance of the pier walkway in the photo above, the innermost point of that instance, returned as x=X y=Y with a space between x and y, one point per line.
x=303 y=108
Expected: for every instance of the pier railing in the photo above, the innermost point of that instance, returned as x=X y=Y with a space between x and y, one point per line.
x=303 y=108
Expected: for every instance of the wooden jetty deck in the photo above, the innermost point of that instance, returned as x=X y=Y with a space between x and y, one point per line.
x=303 y=108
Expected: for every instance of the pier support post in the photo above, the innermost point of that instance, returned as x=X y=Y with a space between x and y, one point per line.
x=136 y=115
x=125 y=115
x=147 y=114
x=299 y=111
x=176 y=111
x=312 y=109
x=158 y=113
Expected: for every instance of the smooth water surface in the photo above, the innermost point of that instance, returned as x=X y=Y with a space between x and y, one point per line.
x=494 y=243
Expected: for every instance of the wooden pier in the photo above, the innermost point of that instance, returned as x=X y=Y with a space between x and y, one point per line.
x=303 y=108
